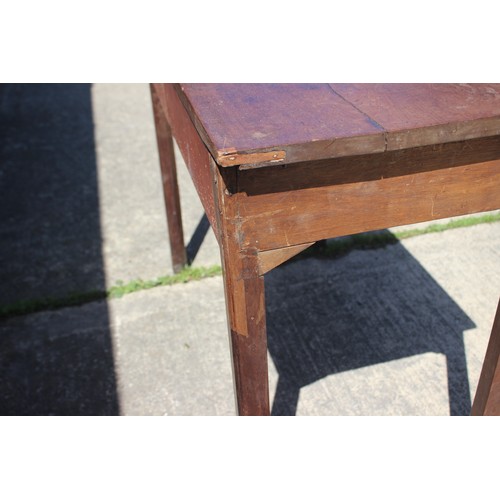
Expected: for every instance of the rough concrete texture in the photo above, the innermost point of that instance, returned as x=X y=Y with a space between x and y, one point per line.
x=49 y=201
x=80 y=192
x=394 y=331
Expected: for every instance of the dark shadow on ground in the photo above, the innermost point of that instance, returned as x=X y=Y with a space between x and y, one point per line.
x=367 y=307
x=51 y=247
x=197 y=238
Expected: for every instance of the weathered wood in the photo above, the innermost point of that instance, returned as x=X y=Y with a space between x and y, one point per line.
x=277 y=220
x=250 y=159
x=352 y=169
x=319 y=121
x=270 y=259
x=420 y=114
x=193 y=150
x=307 y=121
x=159 y=89
x=245 y=303
x=170 y=186
x=487 y=400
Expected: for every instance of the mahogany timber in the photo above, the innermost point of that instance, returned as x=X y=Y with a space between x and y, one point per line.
x=276 y=220
x=194 y=152
x=361 y=168
x=269 y=259
x=305 y=122
x=245 y=304
x=487 y=399
x=170 y=186
x=300 y=121
x=419 y=114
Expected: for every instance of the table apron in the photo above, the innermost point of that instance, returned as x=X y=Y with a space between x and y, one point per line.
x=282 y=219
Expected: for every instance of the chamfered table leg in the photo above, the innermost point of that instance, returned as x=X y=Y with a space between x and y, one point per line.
x=245 y=301
x=487 y=400
x=170 y=186
x=246 y=310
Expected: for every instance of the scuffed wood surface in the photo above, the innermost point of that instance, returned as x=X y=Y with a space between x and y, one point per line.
x=195 y=154
x=427 y=113
x=245 y=303
x=170 y=185
x=305 y=175
x=282 y=219
x=298 y=122
x=270 y=259
x=306 y=121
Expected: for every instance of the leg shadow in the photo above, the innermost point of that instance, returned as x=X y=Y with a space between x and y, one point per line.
x=196 y=241
x=57 y=362
x=329 y=316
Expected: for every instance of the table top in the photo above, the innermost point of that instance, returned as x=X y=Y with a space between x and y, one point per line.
x=256 y=125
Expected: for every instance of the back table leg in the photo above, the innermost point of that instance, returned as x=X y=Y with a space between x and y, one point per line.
x=170 y=186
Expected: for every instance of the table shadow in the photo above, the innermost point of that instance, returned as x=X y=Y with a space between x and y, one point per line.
x=51 y=248
x=327 y=316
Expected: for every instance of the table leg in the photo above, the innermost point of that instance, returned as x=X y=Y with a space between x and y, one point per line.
x=170 y=186
x=245 y=302
x=247 y=329
x=487 y=400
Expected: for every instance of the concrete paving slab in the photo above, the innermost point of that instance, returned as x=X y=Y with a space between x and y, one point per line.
x=81 y=200
x=394 y=331
x=49 y=203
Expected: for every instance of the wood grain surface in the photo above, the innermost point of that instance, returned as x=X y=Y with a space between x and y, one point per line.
x=193 y=150
x=269 y=259
x=362 y=168
x=170 y=185
x=418 y=114
x=276 y=220
x=245 y=302
x=264 y=124
x=302 y=120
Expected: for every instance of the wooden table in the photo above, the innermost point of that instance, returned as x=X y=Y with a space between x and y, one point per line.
x=279 y=167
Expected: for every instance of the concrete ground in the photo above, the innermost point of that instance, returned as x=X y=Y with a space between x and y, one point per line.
x=395 y=331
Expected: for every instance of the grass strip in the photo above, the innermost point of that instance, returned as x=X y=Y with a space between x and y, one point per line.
x=187 y=274
x=332 y=248
x=453 y=224
x=119 y=290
